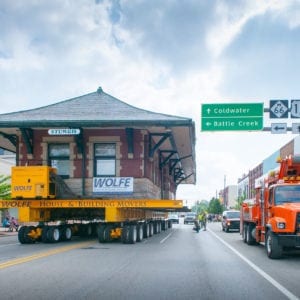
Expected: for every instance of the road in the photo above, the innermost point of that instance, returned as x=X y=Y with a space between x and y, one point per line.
x=176 y=264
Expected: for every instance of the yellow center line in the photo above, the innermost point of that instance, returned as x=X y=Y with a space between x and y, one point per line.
x=25 y=259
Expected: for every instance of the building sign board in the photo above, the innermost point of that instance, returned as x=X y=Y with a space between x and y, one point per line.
x=64 y=131
x=112 y=185
x=232 y=116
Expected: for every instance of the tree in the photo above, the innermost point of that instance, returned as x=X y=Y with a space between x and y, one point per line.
x=239 y=201
x=215 y=206
x=5 y=187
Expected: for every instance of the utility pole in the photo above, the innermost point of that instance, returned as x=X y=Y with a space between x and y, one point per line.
x=224 y=192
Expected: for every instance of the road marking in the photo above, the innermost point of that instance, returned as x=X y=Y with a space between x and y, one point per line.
x=275 y=283
x=9 y=245
x=164 y=239
x=25 y=259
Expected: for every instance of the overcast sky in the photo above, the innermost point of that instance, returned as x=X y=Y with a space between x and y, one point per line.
x=167 y=56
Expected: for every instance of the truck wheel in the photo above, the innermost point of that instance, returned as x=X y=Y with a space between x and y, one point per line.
x=274 y=250
x=140 y=232
x=21 y=236
x=250 y=239
x=245 y=229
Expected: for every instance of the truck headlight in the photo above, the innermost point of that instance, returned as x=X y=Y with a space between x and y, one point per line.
x=280 y=225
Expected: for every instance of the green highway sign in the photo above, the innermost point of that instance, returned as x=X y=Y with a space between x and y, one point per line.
x=232 y=116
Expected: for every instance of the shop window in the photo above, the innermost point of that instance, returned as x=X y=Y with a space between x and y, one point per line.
x=105 y=160
x=59 y=158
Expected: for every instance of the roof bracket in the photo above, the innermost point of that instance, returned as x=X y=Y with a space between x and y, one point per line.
x=163 y=136
x=164 y=160
x=11 y=137
x=184 y=178
x=27 y=134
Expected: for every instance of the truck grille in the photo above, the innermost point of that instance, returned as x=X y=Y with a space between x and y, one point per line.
x=298 y=223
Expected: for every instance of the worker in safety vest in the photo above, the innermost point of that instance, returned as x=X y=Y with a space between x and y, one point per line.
x=203 y=219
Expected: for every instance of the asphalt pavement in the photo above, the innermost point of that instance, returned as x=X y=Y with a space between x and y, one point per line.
x=5 y=232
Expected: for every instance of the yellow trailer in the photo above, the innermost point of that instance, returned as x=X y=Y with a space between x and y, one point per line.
x=48 y=219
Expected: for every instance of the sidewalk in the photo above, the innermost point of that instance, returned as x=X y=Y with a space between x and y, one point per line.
x=5 y=232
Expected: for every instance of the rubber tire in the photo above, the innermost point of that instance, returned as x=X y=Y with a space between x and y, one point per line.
x=273 y=249
x=21 y=236
x=106 y=234
x=28 y=240
x=146 y=230
x=125 y=234
x=244 y=234
x=53 y=234
x=250 y=239
x=45 y=234
x=140 y=232
x=100 y=233
x=151 y=229
x=65 y=233
x=132 y=234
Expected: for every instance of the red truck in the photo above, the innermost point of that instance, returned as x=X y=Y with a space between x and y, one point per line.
x=273 y=216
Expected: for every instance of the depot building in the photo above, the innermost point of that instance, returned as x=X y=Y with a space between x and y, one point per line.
x=105 y=148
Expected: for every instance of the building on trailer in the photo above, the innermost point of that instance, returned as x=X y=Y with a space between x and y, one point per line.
x=103 y=148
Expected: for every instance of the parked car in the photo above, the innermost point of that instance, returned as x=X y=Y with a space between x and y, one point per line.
x=190 y=218
x=174 y=218
x=230 y=220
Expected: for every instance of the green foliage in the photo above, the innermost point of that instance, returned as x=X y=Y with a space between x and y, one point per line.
x=239 y=201
x=215 y=206
x=5 y=187
x=200 y=206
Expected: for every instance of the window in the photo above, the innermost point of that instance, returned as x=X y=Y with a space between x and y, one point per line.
x=59 y=158
x=105 y=159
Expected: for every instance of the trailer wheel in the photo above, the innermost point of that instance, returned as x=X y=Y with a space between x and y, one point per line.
x=106 y=233
x=125 y=234
x=151 y=225
x=132 y=234
x=21 y=236
x=274 y=250
x=140 y=233
x=27 y=238
x=53 y=234
x=100 y=233
x=146 y=230
x=66 y=233
x=45 y=234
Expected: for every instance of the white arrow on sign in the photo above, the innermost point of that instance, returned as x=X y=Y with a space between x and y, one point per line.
x=278 y=127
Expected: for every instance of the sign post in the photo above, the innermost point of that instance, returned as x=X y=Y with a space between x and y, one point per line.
x=232 y=116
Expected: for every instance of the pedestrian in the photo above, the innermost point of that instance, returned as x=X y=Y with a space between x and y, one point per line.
x=13 y=224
